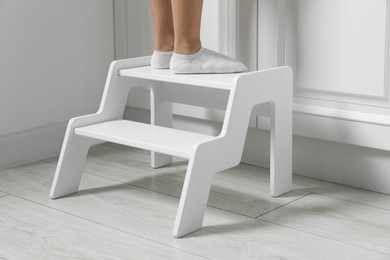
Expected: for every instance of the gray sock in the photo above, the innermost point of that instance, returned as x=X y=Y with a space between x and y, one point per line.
x=205 y=61
x=161 y=59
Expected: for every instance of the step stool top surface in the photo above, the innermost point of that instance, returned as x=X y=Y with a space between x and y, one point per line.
x=220 y=81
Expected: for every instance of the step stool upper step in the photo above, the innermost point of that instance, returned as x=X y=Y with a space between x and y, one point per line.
x=220 y=81
x=149 y=137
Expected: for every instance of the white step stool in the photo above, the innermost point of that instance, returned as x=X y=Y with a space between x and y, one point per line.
x=267 y=91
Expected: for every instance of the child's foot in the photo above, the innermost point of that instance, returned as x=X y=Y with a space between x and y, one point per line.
x=161 y=59
x=205 y=61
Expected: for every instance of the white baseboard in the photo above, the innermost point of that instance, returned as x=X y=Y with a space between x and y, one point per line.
x=342 y=163
x=31 y=145
x=347 y=164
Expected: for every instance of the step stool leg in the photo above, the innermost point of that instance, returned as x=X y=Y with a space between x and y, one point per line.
x=161 y=115
x=193 y=199
x=70 y=165
x=281 y=148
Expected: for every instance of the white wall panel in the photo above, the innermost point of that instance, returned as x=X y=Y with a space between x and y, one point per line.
x=339 y=53
x=342 y=46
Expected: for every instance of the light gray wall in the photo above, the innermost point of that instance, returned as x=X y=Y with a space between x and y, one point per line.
x=54 y=56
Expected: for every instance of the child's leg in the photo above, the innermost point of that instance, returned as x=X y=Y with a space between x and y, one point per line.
x=186 y=20
x=164 y=33
x=163 y=24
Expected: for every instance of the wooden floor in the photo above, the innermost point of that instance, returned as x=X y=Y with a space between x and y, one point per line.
x=126 y=210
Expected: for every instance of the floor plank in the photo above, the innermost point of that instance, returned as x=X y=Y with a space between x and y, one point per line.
x=343 y=192
x=32 y=231
x=133 y=166
x=150 y=215
x=352 y=223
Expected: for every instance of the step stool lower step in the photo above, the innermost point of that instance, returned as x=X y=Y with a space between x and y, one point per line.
x=149 y=137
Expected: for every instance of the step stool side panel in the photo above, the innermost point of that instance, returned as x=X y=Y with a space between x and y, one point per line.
x=272 y=87
x=235 y=124
x=203 y=164
x=244 y=96
x=71 y=162
x=75 y=148
x=117 y=88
